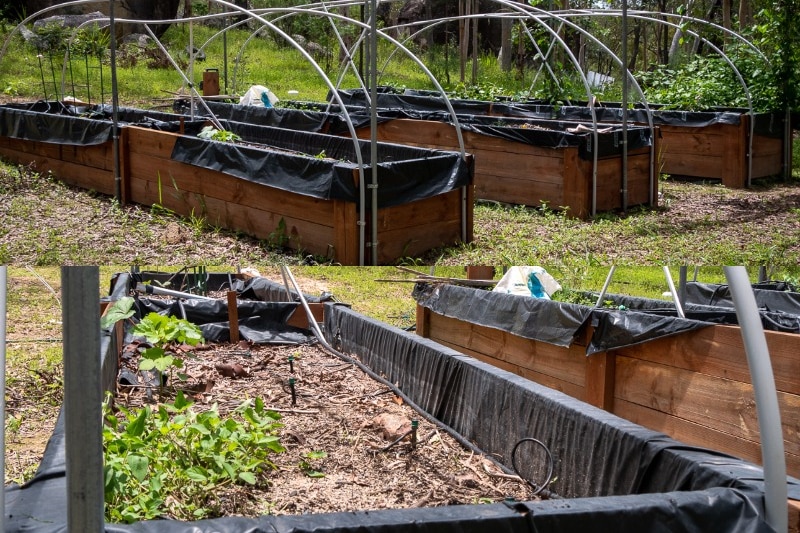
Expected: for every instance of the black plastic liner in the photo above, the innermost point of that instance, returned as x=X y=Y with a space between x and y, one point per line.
x=770 y=296
x=596 y=453
x=535 y=130
x=286 y=161
x=311 y=164
x=617 y=476
x=721 y=312
x=550 y=321
x=767 y=124
x=259 y=322
x=20 y=122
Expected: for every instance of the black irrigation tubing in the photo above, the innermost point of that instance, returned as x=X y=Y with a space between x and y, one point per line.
x=537 y=489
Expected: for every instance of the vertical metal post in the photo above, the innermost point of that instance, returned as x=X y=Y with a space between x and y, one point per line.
x=766 y=395
x=624 y=60
x=683 y=275
x=83 y=396
x=373 y=83
x=112 y=28
x=675 y=297
x=3 y=294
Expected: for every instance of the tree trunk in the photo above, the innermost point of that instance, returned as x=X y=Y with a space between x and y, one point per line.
x=745 y=14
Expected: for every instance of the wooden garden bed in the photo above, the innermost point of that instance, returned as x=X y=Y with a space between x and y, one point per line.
x=694 y=386
x=327 y=227
x=515 y=172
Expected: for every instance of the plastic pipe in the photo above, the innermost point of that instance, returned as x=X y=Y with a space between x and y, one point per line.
x=83 y=396
x=766 y=395
x=671 y=285
x=3 y=294
x=605 y=287
x=150 y=289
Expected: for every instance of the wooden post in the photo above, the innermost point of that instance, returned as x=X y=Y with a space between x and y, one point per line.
x=82 y=398
x=423 y=321
x=233 y=316
x=600 y=370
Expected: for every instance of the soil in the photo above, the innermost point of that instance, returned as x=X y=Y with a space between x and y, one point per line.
x=361 y=425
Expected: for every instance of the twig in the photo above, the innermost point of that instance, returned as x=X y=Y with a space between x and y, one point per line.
x=44 y=282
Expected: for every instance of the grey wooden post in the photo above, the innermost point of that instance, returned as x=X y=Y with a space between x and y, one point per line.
x=80 y=288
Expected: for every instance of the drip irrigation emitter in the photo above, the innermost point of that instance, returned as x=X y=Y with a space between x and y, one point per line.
x=292 y=389
x=537 y=489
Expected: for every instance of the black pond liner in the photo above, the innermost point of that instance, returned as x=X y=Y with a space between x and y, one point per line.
x=534 y=131
x=610 y=474
x=769 y=124
x=302 y=162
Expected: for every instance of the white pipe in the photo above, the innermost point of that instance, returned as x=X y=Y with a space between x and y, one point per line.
x=605 y=287
x=675 y=298
x=3 y=294
x=151 y=289
x=766 y=395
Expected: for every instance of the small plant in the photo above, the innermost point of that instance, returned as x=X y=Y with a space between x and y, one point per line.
x=175 y=462
x=310 y=463
x=280 y=237
x=162 y=332
x=212 y=133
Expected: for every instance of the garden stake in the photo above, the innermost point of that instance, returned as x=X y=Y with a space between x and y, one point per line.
x=414 y=426
x=41 y=72
x=291 y=364
x=294 y=394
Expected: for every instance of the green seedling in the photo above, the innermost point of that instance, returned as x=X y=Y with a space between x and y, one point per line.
x=162 y=332
x=212 y=133
x=309 y=465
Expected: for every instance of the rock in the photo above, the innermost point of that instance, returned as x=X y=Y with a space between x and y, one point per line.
x=392 y=426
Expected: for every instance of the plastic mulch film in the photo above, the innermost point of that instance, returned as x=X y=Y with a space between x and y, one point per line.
x=769 y=296
x=550 y=321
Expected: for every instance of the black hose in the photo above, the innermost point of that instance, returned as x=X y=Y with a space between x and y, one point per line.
x=537 y=489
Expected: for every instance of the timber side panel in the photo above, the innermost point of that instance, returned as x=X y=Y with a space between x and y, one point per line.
x=718 y=350
x=260 y=223
x=100 y=156
x=609 y=179
x=722 y=407
x=767 y=156
x=90 y=178
x=519 y=173
x=563 y=369
x=413 y=228
x=346 y=240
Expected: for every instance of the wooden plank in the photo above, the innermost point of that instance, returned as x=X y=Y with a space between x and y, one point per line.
x=124 y=166
x=719 y=351
x=90 y=178
x=721 y=405
x=97 y=156
x=299 y=318
x=564 y=368
x=179 y=180
x=46 y=150
x=697 y=434
x=423 y=328
x=346 y=237
x=260 y=223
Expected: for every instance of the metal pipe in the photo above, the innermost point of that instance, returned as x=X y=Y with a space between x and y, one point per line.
x=605 y=287
x=3 y=295
x=766 y=396
x=683 y=275
x=83 y=396
x=624 y=60
x=114 y=102
x=373 y=123
x=150 y=289
x=671 y=284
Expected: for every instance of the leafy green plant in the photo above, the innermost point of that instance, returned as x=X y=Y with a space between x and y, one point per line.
x=280 y=237
x=212 y=133
x=162 y=332
x=122 y=309
x=176 y=462
x=310 y=464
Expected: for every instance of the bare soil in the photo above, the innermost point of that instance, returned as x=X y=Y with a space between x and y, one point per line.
x=360 y=424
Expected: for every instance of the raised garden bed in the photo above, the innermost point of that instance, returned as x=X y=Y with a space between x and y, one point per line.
x=518 y=161
x=608 y=474
x=714 y=144
x=295 y=189
x=686 y=377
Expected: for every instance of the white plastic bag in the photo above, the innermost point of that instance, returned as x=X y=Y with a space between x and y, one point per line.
x=258 y=95
x=528 y=281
